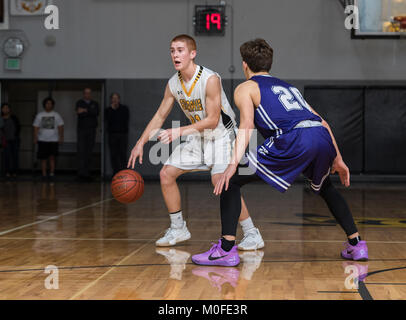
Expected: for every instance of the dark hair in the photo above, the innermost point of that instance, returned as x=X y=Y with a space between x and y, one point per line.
x=3 y=105
x=115 y=94
x=48 y=99
x=257 y=54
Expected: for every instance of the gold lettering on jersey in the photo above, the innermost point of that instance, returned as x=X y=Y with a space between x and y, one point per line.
x=195 y=118
x=191 y=105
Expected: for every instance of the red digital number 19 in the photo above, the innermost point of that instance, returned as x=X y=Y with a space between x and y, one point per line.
x=214 y=18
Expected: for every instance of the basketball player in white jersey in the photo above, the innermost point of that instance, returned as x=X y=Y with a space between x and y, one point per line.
x=209 y=141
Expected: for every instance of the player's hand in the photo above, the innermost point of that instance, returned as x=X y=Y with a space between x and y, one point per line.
x=341 y=168
x=136 y=152
x=224 y=179
x=169 y=135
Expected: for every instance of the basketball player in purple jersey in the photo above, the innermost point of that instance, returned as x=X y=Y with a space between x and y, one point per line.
x=297 y=141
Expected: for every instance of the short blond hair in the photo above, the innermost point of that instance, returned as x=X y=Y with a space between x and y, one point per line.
x=190 y=42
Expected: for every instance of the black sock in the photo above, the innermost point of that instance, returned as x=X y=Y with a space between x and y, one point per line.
x=227 y=245
x=354 y=241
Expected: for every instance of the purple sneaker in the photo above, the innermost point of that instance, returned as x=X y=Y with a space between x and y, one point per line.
x=216 y=256
x=356 y=253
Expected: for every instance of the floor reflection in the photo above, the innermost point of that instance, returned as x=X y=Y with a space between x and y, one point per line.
x=355 y=273
x=106 y=250
x=177 y=260
x=48 y=201
x=231 y=282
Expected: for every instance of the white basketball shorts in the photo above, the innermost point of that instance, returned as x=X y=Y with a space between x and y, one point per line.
x=201 y=154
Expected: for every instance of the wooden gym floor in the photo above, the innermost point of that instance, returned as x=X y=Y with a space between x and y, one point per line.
x=105 y=250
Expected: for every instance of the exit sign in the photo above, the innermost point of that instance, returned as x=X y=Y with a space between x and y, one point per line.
x=13 y=64
x=210 y=20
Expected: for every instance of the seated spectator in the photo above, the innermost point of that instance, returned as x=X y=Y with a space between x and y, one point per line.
x=48 y=133
x=10 y=141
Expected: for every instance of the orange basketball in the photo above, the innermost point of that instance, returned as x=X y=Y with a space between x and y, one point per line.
x=127 y=186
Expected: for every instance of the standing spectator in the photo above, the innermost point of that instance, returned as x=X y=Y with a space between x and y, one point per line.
x=48 y=133
x=2 y=144
x=88 y=111
x=10 y=141
x=117 y=117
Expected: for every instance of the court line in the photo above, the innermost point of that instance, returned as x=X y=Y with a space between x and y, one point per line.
x=155 y=264
x=363 y=291
x=187 y=263
x=52 y=217
x=384 y=270
x=362 y=288
x=111 y=269
x=387 y=283
x=202 y=240
x=337 y=291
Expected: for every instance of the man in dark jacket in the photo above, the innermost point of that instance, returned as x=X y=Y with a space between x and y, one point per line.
x=88 y=112
x=116 y=117
x=11 y=140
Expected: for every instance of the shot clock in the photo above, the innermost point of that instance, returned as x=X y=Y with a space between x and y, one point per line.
x=210 y=20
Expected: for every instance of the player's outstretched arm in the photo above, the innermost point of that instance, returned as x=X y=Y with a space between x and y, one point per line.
x=244 y=102
x=339 y=165
x=213 y=108
x=155 y=124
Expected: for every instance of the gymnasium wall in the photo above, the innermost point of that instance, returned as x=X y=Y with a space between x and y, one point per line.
x=129 y=39
x=125 y=43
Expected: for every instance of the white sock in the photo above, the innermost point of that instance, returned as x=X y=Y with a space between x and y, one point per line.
x=176 y=220
x=247 y=225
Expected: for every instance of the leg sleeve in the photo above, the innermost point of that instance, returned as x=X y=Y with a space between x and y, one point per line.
x=230 y=202
x=338 y=207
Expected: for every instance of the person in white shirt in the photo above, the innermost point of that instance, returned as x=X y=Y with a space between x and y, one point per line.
x=209 y=138
x=48 y=134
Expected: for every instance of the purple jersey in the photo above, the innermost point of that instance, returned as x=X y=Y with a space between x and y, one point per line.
x=281 y=108
x=295 y=140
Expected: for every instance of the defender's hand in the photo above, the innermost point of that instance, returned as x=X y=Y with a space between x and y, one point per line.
x=224 y=179
x=136 y=152
x=341 y=168
x=169 y=135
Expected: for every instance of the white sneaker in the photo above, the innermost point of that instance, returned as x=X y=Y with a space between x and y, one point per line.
x=173 y=236
x=177 y=259
x=251 y=241
x=251 y=262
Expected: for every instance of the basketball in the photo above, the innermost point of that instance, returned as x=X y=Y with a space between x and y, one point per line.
x=127 y=186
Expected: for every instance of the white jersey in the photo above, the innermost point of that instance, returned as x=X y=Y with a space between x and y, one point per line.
x=191 y=97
